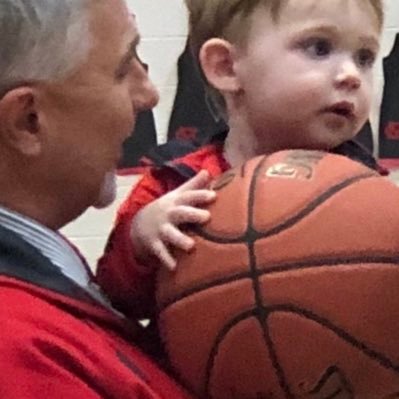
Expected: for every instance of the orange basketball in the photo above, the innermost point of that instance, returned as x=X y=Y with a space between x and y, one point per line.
x=293 y=289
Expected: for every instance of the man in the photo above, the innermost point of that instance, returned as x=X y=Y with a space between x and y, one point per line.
x=71 y=86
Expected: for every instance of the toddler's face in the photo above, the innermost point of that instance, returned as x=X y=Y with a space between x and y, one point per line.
x=307 y=79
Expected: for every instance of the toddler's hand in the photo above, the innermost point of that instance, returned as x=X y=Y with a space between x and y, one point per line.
x=156 y=226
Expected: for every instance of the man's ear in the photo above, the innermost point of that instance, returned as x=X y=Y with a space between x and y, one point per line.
x=19 y=124
x=217 y=62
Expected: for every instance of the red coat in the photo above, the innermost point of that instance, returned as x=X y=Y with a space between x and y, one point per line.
x=57 y=342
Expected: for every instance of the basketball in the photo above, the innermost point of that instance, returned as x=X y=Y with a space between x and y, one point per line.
x=292 y=290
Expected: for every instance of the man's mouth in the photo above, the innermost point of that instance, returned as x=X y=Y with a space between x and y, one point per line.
x=343 y=109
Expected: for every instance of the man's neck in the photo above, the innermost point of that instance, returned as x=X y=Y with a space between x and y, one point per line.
x=38 y=214
x=44 y=209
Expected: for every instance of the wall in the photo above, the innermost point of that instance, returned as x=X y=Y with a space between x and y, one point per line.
x=163 y=28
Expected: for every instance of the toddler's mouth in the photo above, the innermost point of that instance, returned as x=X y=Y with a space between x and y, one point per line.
x=345 y=109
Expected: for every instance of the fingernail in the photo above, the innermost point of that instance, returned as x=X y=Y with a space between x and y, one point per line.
x=172 y=267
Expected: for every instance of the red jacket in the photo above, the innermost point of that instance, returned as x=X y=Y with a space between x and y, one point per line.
x=57 y=342
x=129 y=285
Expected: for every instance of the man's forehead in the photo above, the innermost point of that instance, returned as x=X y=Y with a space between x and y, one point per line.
x=114 y=31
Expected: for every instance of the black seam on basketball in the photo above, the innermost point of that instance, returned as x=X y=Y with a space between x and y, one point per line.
x=250 y=243
x=313 y=205
x=215 y=347
x=380 y=358
x=253 y=274
x=282 y=380
x=251 y=194
x=392 y=259
x=333 y=370
x=261 y=314
x=335 y=394
x=252 y=234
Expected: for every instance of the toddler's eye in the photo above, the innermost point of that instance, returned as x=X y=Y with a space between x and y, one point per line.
x=317 y=47
x=365 y=58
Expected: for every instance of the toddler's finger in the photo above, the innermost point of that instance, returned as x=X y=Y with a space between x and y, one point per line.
x=196 y=197
x=200 y=180
x=172 y=235
x=188 y=214
x=160 y=250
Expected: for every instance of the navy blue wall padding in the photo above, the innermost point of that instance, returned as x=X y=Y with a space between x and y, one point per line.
x=140 y=142
x=389 y=118
x=142 y=139
x=191 y=117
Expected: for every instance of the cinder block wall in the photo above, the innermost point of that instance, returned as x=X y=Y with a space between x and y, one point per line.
x=163 y=28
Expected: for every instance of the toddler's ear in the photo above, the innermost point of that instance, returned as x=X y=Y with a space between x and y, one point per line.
x=217 y=62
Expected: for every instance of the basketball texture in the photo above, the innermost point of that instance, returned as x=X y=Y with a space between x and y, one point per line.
x=293 y=289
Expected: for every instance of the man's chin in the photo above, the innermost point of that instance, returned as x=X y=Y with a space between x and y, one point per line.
x=107 y=193
x=104 y=202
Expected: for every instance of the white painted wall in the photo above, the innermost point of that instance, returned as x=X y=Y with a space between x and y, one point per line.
x=163 y=27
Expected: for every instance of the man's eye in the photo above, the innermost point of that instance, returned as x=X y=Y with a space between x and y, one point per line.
x=123 y=71
x=128 y=64
x=317 y=47
x=365 y=58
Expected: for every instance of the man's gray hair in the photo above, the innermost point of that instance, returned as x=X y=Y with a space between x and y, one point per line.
x=41 y=40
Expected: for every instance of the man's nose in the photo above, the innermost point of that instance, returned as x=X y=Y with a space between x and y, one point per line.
x=150 y=95
x=143 y=91
x=147 y=96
